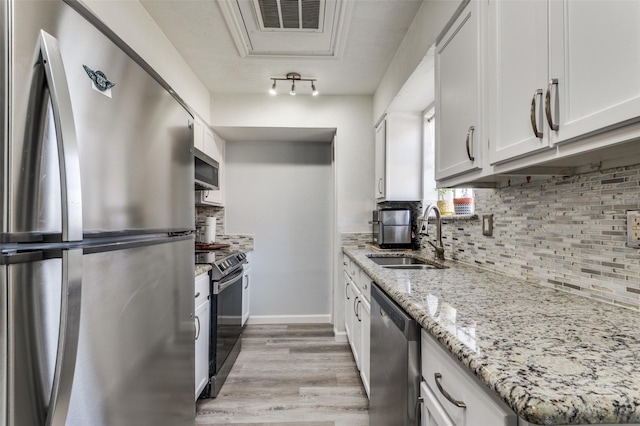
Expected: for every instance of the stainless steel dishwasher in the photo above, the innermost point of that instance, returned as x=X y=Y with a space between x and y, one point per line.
x=395 y=363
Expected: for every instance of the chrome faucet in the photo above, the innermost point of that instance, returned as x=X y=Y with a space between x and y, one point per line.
x=439 y=247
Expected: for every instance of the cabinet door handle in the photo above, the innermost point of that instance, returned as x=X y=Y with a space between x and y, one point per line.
x=355 y=308
x=198 y=327
x=246 y=286
x=380 y=186
x=197 y=295
x=470 y=139
x=346 y=291
x=534 y=121
x=358 y=313
x=446 y=394
x=547 y=103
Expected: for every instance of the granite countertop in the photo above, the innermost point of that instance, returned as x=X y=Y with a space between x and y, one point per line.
x=202 y=268
x=555 y=358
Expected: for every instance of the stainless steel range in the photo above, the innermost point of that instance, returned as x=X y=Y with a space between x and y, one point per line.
x=226 y=319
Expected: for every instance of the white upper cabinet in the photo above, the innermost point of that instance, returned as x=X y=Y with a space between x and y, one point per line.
x=380 y=149
x=459 y=128
x=555 y=84
x=559 y=71
x=398 y=158
x=517 y=77
x=594 y=51
x=198 y=135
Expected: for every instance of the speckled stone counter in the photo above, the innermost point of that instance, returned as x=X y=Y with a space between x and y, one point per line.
x=201 y=268
x=555 y=358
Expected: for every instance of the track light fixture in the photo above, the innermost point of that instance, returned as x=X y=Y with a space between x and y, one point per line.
x=293 y=77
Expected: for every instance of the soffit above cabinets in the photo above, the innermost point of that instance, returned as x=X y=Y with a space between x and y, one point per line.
x=288 y=28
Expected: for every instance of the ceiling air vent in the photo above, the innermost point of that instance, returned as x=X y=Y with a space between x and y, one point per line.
x=288 y=28
x=290 y=15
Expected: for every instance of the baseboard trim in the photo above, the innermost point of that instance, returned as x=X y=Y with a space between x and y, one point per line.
x=340 y=336
x=289 y=319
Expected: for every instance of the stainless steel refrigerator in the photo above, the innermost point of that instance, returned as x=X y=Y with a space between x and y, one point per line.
x=97 y=201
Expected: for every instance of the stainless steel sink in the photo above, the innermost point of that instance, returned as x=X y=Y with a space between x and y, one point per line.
x=403 y=262
x=421 y=266
x=400 y=260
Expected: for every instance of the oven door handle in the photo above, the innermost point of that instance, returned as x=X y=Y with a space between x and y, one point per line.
x=220 y=286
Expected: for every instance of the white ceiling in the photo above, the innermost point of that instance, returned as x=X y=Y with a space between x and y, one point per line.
x=198 y=31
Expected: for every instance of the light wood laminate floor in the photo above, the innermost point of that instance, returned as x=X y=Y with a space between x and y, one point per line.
x=289 y=375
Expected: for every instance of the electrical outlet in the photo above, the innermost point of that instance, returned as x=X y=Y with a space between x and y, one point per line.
x=487 y=225
x=633 y=228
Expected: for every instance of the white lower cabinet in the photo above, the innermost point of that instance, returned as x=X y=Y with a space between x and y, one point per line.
x=456 y=397
x=352 y=321
x=432 y=412
x=357 y=315
x=365 y=350
x=202 y=321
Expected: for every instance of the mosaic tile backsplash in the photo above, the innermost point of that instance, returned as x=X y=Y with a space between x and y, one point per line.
x=568 y=233
x=238 y=242
x=355 y=239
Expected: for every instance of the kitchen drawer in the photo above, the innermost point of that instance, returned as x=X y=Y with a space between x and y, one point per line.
x=352 y=269
x=201 y=289
x=364 y=284
x=432 y=412
x=482 y=406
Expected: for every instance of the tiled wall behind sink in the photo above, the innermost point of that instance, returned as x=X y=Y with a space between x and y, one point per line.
x=565 y=232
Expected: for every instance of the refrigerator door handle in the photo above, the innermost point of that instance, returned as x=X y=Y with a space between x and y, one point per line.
x=69 y=161
x=68 y=337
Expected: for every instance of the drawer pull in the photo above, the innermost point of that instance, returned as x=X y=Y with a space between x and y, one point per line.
x=457 y=403
x=197 y=295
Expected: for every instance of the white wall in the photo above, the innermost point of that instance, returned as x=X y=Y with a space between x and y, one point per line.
x=350 y=115
x=132 y=23
x=282 y=194
x=353 y=162
x=430 y=21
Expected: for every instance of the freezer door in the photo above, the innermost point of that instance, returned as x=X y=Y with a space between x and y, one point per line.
x=41 y=291
x=3 y=343
x=133 y=141
x=113 y=345
x=136 y=350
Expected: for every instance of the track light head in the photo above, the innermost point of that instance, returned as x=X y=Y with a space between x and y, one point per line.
x=293 y=77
